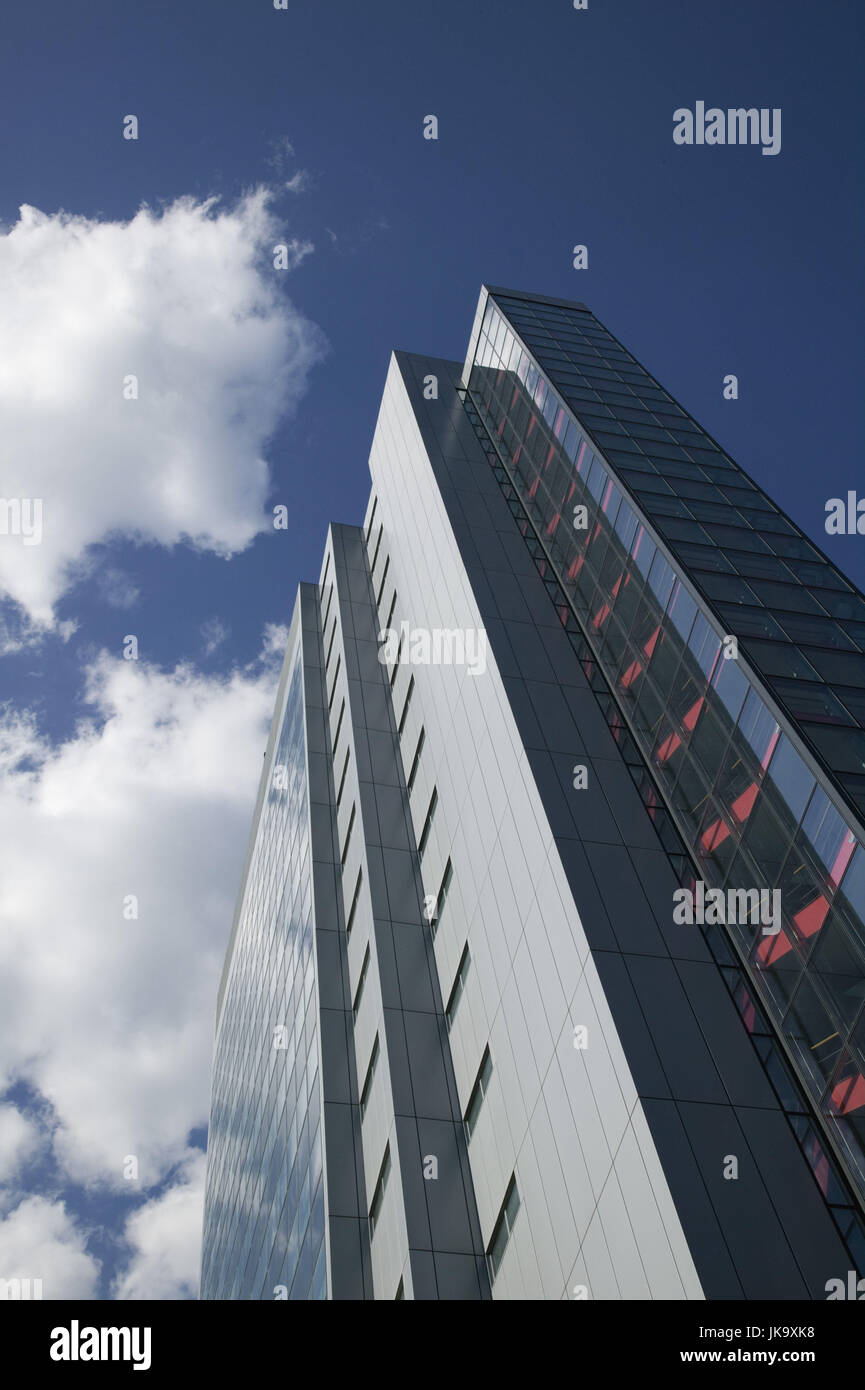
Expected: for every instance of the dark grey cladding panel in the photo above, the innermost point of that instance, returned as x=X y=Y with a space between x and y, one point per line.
x=339 y=1078
x=658 y=882
x=703 y=1231
x=589 y=808
x=649 y=1076
x=350 y=1274
x=343 y=1196
x=445 y=1193
x=673 y=1023
x=744 y=1079
x=744 y=1205
x=460 y=1277
x=634 y=923
x=816 y=1246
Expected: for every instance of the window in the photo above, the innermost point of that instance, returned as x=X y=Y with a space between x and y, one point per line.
x=342 y=778
x=335 y=679
x=479 y=1090
x=404 y=714
x=383 y=580
x=390 y=613
x=327 y=608
x=441 y=897
x=378 y=1195
x=358 y=994
x=416 y=759
x=368 y=1079
x=398 y=659
x=348 y=834
x=330 y=646
x=377 y=545
x=459 y=985
x=503 y=1227
x=356 y=894
x=371 y=519
x=338 y=728
x=424 y=835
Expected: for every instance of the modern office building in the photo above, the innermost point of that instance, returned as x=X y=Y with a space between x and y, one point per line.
x=487 y=1026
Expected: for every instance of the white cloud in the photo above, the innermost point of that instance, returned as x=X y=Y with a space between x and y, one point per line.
x=187 y=301
x=166 y=1238
x=117 y=588
x=19 y=1136
x=111 y=1019
x=214 y=632
x=39 y=1240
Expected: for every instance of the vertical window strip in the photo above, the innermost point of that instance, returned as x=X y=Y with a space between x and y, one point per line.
x=348 y=834
x=378 y=1195
x=360 y=984
x=368 y=1079
x=441 y=896
x=424 y=835
x=479 y=1091
x=404 y=714
x=458 y=986
x=355 y=896
x=342 y=778
x=504 y=1227
x=383 y=581
x=416 y=759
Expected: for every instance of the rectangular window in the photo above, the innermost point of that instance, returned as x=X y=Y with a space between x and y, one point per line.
x=368 y=1080
x=416 y=760
x=330 y=647
x=338 y=729
x=348 y=834
x=459 y=985
x=377 y=545
x=404 y=714
x=390 y=612
x=358 y=995
x=378 y=1195
x=479 y=1090
x=371 y=519
x=335 y=679
x=342 y=779
x=327 y=608
x=326 y=571
x=350 y=921
x=503 y=1227
x=396 y=663
x=383 y=581
x=424 y=835
x=441 y=897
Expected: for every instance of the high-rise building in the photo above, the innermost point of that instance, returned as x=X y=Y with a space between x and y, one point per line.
x=547 y=973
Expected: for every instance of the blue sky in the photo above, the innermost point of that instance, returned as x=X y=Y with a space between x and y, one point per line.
x=555 y=128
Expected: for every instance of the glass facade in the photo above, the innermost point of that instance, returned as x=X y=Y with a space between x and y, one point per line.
x=265 y=1211
x=595 y=453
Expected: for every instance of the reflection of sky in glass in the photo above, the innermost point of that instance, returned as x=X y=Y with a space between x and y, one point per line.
x=264 y=1208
